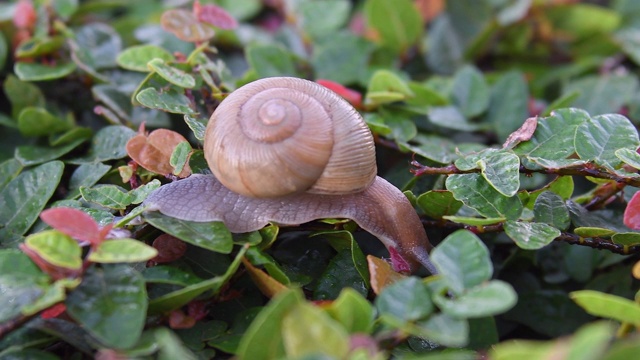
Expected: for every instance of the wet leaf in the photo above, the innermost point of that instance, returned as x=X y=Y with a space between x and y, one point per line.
x=107 y=144
x=170 y=100
x=549 y=208
x=598 y=138
x=530 y=235
x=474 y=191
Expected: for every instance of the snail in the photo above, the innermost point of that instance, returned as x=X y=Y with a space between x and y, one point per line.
x=289 y=151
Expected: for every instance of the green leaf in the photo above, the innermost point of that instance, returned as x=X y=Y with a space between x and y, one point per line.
x=602 y=94
x=39 y=72
x=626 y=239
x=122 y=251
x=165 y=274
x=474 y=191
x=463 y=260
x=39 y=46
x=629 y=157
x=196 y=125
x=339 y=274
x=592 y=231
x=169 y=100
x=335 y=15
x=343 y=240
x=342 y=58
x=450 y=117
x=3 y=51
x=21 y=281
x=530 y=235
x=56 y=248
x=22 y=94
x=502 y=170
x=508 y=107
x=263 y=340
x=438 y=203
x=270 y=60
x=140 y=193
x=25 y=196
x=109 y=143
x=473 y=221
x=172 y=74
x=563 y=101
x=443 y=329
x=86 y=175
x=554 y=136
x=212 y=236
x=385 y=87
x=135 y=58
x=324 y=336
x=608 y=306
x=491 y=298
x=34 y=155
x=99 y=44
x=9 y=169
x=110 y=196
x=549 y=208
x=470 y=91
x=353 y=311
x=38 y=121
x=398 y=23
x=52 y=295
x=180 y=157
x=179 y=298
x=598 y=138
x=111 y=304
x=404 y=300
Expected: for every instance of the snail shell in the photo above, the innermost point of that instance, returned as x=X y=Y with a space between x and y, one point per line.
x=280 y=136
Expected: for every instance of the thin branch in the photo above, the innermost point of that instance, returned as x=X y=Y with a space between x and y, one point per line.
x=586 y=170
x=570 y=238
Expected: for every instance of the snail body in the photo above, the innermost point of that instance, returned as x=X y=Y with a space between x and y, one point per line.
x=290 y=151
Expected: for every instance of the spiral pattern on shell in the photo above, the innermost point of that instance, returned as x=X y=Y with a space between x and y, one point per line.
x=279 y=136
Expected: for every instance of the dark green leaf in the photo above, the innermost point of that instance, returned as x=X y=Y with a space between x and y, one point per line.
x=25 y=196
x=530 y=235
x=109 y=143
x=212 y=236
x=38 y=72
x=438 y=203
x=339 y=274
x=598 y=138
x=602 y=94
x=35 y=121
x=34 y=155
x=470 y=91
x=549 y=208
x=270 y=60
x=341 y=58
x=111 y=304
x=22 y=94
x=474 y=191
x=508 y=107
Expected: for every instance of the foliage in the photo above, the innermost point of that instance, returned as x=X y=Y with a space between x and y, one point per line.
x=520 y=118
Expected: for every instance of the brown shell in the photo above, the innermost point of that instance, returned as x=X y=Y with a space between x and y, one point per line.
x=281 y=135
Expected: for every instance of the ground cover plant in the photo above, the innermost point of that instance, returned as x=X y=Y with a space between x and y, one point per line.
x=511 y=126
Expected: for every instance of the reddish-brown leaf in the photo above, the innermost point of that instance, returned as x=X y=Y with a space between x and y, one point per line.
x=153 y=152
x=214 y=15
x=53 y=311
x=524 y=133
x=197 y=309
x=352 y=96
x=179 y=320
x=185 y=26
x=73 y=222
x=169 y=248
x=381 y=274
x=632 y=212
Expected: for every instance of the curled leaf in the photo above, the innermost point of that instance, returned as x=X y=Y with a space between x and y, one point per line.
x=524 y=133
x=153 y=152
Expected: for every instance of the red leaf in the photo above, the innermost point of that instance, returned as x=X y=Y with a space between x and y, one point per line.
x=169 y=248
x=632 y=212
x=73 y=222
x=352 y=96
x=24 y=16
x=399 y=263
x=153 y=152
x=197 y=309
x=214 y=15
x=53 y=311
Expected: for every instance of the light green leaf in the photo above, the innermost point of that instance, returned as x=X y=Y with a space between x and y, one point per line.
x=529 y=235
x=180 y=157
x=404 y=300
x=398 y=22
x=353 y=311
x=443 y=329
x=22 y=94
x=473 y=221
x=629 y=156
x=56 y=248
x=470 y=91
x=474 y=191
x=626 y=239
x=196 y=125
x=608 y=306
x=110 y=196
x=122 y=251
x=602 y=94
x=592 y=231
x=111 y=304
x=212 y=236
x=502 y=170
x=172 y=74
x=24 y=197
x=135 y=58
x=270 y=60
x=598 y=139
x=307 y=330
x=450 y=117
x=343 y=57
x=170 y=100
x=140 y=193
x=385 y=87
x=263 y=340
x=463 y=260
x=335 y=15
x=492 y=298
